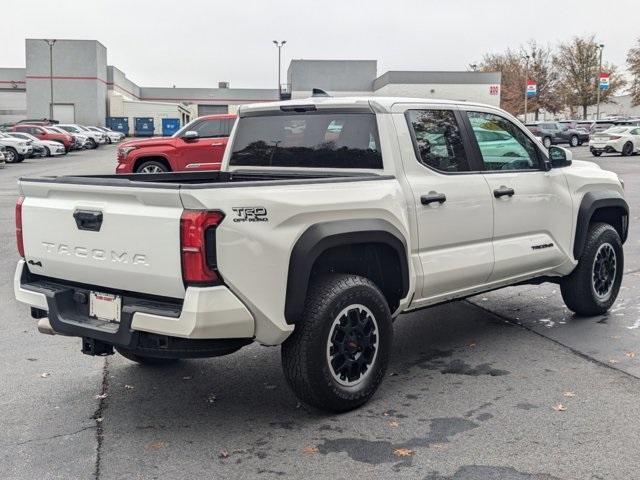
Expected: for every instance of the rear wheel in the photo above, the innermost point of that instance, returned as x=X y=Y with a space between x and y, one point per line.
x=47 y=152
x=152 y=166
x=574 y=142
x=627 y=149
x=546 y=141
x=596 y=154
x=337 y=356
x=593 y=286
x=144 y=360
x=91 y=143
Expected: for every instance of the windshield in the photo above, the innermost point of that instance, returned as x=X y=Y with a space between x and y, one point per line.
x=315 y=140
x=69 y=128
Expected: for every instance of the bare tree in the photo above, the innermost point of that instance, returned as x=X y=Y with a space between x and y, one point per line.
x=542 y=72
x=576 y=63
x=633 y=60
x=512 y=65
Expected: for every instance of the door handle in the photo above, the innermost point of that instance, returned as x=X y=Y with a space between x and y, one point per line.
x=217 y=144
x=432 y=198
x=502 y=191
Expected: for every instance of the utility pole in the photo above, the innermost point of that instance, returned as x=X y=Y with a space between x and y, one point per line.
x=526 y=84
x=600 y=48
x=51 y=43
x=279 y=45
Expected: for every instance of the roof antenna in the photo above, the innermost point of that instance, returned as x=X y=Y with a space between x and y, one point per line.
x=318 y=92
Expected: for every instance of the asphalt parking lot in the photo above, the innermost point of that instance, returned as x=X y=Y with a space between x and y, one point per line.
x=507 y=385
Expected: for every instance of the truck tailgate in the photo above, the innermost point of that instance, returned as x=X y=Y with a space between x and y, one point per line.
x=121 y=237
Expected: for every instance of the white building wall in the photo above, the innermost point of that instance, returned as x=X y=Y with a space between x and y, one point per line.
x=482 y=93
x=121 y=107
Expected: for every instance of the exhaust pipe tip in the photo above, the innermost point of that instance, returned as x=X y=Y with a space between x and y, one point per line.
x=45 y=327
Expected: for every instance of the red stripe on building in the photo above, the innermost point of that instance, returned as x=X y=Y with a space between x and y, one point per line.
x=56 y=77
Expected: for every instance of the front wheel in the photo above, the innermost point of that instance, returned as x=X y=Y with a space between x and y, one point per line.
x=47 y=152
x=337 y=356
x=596 y=154
x=627 y=149
x=152 y=166
x=144 y=360
x=11 y=156
x=593 y=286
x=574 y=142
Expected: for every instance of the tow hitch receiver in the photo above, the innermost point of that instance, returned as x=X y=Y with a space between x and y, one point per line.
x=91 y=346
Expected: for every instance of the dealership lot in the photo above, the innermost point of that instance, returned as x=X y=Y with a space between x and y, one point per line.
x=469 y=394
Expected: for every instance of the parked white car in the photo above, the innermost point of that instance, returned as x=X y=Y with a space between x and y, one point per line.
x=112 y=137
x=50 y=147
x=94 y=139
x=17 y=149
x=624 y=140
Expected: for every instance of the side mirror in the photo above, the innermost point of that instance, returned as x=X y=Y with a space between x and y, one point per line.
x=560 y=157
x=190 y=135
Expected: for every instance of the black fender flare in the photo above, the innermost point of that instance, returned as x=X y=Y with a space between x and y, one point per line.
x=322 y=236
x=591 y=202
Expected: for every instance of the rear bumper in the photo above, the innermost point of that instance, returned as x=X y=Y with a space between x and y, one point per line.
x=204 y=314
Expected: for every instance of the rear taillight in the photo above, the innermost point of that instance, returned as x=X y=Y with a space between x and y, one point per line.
x=614 y=137
x=198 y=245
x=19 y=241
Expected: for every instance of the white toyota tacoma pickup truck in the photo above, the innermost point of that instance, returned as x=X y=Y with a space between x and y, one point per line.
x=329 y=218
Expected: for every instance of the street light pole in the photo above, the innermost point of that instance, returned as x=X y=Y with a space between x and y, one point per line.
x=51 y=43
x=600 y=48
x=526 y=85
x=279 y=45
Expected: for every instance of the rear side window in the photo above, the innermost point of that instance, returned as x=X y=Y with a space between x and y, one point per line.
x=314 y=140
x=438 y=141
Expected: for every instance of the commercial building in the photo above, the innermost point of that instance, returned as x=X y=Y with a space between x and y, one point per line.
x=86 y=90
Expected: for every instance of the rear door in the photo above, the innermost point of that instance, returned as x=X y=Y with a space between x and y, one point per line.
x=532 y=208
x=451 y=199
x=121 y=237
x=206 y=151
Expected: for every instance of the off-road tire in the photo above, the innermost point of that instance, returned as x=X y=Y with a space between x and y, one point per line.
x=144 y=360
x=305 y=354
x=578 y=288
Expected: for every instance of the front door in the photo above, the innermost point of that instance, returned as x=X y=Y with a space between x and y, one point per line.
x=206 y=151
x=451 y=201
x=532 y=218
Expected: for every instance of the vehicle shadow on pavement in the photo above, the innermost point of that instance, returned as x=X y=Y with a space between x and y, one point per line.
x=457 y=379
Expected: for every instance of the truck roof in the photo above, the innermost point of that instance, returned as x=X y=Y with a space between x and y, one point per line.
x=378 y=104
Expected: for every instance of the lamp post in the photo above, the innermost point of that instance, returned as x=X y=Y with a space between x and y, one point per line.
x=279 y=45
x=51 y=43
x=526 y=84
x=600 y=48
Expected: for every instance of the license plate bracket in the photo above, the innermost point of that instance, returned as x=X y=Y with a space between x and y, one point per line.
x=105 y=306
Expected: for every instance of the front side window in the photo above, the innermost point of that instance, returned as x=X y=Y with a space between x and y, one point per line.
x=503 y=146
x=313 y=140
x=438 y=140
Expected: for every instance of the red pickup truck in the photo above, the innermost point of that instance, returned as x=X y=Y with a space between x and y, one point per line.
x=43 y=133
x=199 y=145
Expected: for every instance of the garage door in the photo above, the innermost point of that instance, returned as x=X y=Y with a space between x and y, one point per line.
x=64 y=112
x=13 y=105
x=212 y=109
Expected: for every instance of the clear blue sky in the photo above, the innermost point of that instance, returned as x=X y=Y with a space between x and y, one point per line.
x=197 y=43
